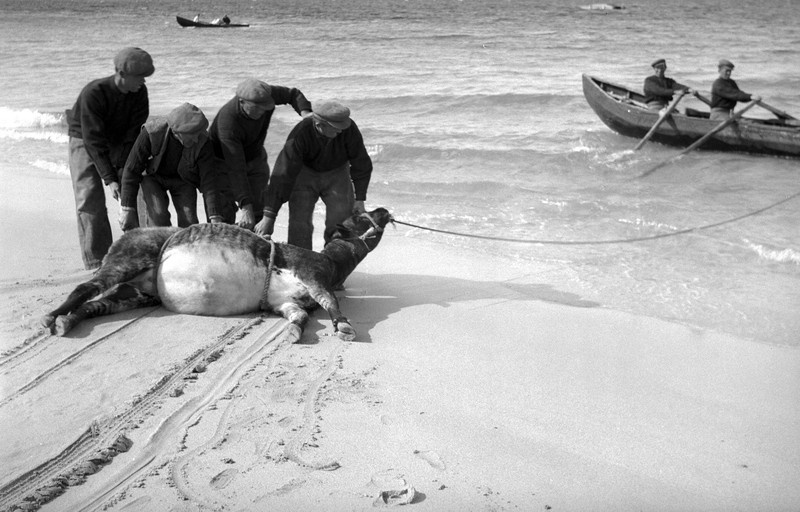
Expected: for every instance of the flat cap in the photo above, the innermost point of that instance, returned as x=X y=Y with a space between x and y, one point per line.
x=725 y=63
x=255 y=91
x=659 y=62
x=333 y=113
x=134 y=61
x=187 y=119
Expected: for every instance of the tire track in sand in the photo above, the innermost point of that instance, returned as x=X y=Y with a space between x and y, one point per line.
x=103 y=440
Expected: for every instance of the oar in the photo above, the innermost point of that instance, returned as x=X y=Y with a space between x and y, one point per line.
x=702 y=139
x=664 y=114
x=780 y=113
x=702 y=98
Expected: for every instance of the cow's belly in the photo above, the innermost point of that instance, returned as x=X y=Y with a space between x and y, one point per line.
x=286 y=287
x=210 y=279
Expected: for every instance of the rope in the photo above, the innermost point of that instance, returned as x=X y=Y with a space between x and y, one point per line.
x=600 y=242
x=263 y=304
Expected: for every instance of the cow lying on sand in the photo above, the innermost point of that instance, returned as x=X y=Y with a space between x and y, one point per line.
x=219 y=270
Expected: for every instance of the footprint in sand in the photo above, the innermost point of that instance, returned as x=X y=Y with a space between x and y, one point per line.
x=223 y=479
x=431 y=458
x=388 y=479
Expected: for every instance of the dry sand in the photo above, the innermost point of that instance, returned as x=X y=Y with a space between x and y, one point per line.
x=473 y=385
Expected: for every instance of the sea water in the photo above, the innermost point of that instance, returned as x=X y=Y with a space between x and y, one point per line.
x=474 y=116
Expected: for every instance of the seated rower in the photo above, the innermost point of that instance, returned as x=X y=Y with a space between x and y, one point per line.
x=658 y=89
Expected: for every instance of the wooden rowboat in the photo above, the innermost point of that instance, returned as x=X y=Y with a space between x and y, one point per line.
x=624 y=111
x=186 y=22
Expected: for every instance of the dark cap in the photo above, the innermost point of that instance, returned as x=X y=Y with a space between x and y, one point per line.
x=255 y=91
x=134 y=61
x=659 y=62
x=725 y=63
x=187 y=119
x=333 y=113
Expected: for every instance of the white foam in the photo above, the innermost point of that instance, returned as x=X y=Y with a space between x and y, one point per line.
x=27 y=118
x=778 y=255
x=58 y=138
x=54 y=167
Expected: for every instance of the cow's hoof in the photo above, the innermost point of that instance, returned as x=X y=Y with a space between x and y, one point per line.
x=63 y=325
x=345 y=331
x=48 y=321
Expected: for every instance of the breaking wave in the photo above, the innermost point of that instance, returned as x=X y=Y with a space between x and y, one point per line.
x=777 y=255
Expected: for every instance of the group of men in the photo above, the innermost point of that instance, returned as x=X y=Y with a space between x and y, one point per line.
x=145 y=163
x=725 y=93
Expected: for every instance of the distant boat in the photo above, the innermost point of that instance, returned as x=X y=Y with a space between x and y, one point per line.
x=625 y=111
x=602 y=7
x=186 y=22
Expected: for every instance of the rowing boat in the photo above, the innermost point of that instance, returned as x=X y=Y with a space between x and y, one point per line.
x=186 y=22
x=625 y=111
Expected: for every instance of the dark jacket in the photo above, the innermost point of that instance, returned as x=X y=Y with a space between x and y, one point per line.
x=661 y=89
x=725 y=94
x=238 y=139
x=157 y=150
x=306 y=147
x=108 y=121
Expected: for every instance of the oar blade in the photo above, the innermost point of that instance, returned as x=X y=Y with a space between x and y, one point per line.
x=699 y=142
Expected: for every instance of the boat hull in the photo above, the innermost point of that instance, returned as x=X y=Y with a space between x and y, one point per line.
x=625 y=112
x=186 y=22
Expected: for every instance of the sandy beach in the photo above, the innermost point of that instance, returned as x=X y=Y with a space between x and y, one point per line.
x=473 y=385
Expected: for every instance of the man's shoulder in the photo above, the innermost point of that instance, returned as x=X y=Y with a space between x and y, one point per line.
x=228 y=115
x=303 y=127
x=98 y=84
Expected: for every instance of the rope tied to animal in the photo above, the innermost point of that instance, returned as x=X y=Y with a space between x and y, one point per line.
x=264 y=303
x=601 y=242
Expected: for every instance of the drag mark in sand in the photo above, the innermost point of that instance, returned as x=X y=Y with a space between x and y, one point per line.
x=295 y=446
x=204 y=490
x=171 y=431
x=105 y=439
x=66 y=361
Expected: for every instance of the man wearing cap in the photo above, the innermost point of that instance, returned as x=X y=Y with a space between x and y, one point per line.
x=174 y=155
x=102 y=126
x=658 y=89
x=725 y=93
x=324 y=158
x=238 y=133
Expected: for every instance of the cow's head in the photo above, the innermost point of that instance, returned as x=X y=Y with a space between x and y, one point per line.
x=364 y=229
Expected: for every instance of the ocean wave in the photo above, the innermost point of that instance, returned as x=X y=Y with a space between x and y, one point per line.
x=54 y=167
x=777 y=255
x=658 y=226
x=27 y=118
x=59 y=138
x=431 y=103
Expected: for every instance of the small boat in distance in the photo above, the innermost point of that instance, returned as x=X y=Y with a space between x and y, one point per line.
x=186 y=22
x=625 y=111
x=603 y=7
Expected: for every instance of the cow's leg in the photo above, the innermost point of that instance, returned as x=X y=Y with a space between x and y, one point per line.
x=134 y=253
x=293 y=313
x=326 y=298
x=123 y=298
x=77 y=298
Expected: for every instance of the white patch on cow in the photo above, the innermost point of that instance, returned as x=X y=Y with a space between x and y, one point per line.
x=286 y=287
x=205 y=278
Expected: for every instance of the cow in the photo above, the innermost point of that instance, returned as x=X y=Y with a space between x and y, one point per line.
x=220 y=270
